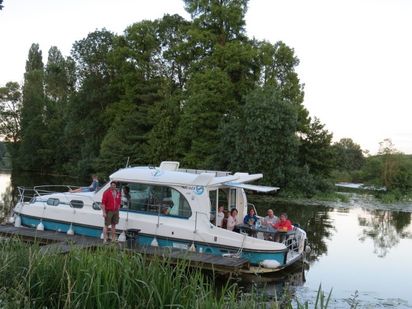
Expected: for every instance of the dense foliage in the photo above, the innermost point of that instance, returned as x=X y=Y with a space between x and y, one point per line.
x=200 y=92
x=390 y=171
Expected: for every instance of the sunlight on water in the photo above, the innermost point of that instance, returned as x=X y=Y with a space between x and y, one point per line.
x=4 y=182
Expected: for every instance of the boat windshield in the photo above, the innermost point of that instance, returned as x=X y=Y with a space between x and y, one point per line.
x=158 y=199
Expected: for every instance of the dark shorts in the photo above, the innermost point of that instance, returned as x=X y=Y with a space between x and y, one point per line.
x=112 y=218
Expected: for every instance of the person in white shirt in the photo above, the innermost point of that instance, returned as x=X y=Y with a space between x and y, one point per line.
x=232 y=221
x=220 y=216
x=270 y=219
x=268 y=222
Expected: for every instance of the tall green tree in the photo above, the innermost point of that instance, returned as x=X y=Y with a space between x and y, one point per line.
x=176 y=60
x=209 y=99
x=88 y=122
x=263 y=139
x=315 y=150
x=277 y=63
x=139 y=81
x=31 y=148
x=224 y=19
x=10 y=109
x=59 y=86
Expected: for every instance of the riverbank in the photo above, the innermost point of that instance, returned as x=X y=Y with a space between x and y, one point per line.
x=348 y=199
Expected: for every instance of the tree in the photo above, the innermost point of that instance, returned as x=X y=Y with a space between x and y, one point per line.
x=396 y=173
x=263 y=139
x=57 y=77
x=87 y=121
x=348 y=155
x=224 y=19
x=390 y=162
x=277 y=63
x=1 y=6
x=10 y=110
x=59 y=86
x=315 y=149
x=138 y=56
x=163 y=139
x=209 y=98
x=32 y=114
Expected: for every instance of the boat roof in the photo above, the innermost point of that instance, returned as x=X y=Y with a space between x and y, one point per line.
x=168 y=173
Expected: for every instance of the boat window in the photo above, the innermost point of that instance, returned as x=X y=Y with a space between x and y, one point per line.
x=97 y=206
x=161 y=200
x=53 y=201
x=76 y=204
x=232 y=198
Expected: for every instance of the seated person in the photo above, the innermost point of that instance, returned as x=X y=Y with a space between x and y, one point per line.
x=220 y=216
x=126 y=198
x=166 y=205
x=283 y=225
x=93 y=186
x=232 y=221
x=270 y=219
x=164 y=210
x=250 y=219
x=268 y=222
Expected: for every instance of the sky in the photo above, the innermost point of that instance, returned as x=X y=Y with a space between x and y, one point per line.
x=355 y=55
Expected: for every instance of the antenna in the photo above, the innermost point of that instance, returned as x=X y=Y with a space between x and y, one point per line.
x=127 y=163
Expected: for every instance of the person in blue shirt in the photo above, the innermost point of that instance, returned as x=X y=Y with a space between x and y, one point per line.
x=250 y=218
x=93 y=186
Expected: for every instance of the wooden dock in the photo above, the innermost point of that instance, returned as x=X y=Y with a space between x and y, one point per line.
x=57 y=242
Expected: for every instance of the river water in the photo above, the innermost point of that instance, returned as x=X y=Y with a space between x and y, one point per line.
x=361 y=251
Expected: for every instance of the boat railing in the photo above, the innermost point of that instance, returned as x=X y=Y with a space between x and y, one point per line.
x=294 y=239
x=195 y=171
x=48 y=189
x=27 y=194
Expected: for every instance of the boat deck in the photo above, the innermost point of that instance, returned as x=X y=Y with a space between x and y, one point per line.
x=56 y=242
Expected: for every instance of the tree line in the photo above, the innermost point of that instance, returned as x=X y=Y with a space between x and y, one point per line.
x=200 y=92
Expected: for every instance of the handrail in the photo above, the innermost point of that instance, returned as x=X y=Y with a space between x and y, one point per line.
x=28 y=193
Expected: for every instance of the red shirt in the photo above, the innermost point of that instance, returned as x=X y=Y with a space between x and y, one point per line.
x=283 y=225
x=111 y=201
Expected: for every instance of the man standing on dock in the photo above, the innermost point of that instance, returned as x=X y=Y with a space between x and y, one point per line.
x=110 y=205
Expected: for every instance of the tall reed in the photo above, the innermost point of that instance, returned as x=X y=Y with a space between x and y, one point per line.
x=110 y=278
x=102 y=278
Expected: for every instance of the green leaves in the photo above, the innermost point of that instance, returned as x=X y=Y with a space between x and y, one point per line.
x=198 y=91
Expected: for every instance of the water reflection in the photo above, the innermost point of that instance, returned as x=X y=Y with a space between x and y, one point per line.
x=385 y=228
x=5 y=195
x=278 y=286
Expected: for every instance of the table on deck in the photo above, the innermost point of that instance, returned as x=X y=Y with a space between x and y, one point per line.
x=268 y=231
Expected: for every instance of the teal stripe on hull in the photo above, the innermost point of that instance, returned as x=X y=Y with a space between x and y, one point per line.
x=62 y=227
x=253 y=257
x=146 y=240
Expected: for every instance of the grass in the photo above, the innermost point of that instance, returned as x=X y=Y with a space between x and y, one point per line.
x=111 y=278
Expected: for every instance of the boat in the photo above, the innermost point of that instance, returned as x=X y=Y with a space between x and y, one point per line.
x=191 y=198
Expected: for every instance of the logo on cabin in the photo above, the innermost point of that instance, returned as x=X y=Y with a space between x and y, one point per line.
x=198 y=190
x=157 y=173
